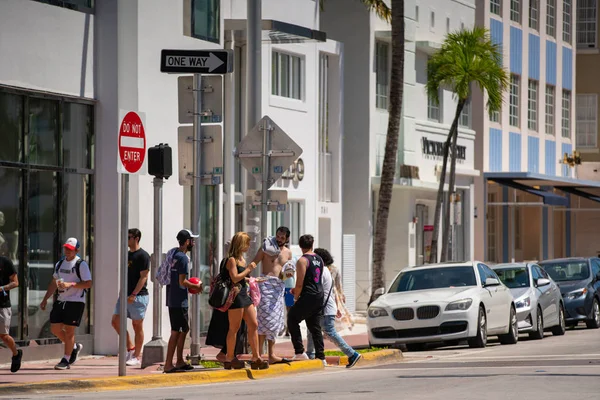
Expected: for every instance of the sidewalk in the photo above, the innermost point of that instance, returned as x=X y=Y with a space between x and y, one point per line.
x=107 y=366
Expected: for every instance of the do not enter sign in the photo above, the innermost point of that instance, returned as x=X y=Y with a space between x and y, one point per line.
x=132 y=143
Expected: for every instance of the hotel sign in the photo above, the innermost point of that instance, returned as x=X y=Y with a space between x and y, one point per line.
x=434 y=150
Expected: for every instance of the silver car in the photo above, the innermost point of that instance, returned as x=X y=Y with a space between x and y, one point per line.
x=537 y=298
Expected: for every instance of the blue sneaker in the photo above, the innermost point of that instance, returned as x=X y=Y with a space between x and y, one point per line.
x=353 y=360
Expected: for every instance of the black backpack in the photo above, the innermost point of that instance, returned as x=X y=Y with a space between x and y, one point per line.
x=77 y=271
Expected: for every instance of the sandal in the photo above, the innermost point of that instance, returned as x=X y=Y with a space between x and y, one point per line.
x=234 y=364
x=259 y=364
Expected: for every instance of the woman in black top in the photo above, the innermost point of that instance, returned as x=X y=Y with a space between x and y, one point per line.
x=242 y=307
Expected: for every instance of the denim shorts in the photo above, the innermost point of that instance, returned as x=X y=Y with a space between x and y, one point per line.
x=137 y=310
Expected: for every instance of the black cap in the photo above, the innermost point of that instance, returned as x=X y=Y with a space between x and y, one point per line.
x=185 y=234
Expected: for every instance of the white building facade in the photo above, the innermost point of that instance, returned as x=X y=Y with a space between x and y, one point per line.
x=63 y=81
x=424 y=128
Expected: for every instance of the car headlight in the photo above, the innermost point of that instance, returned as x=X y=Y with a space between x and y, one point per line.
x=461 y=305
x=375 y=312
x=526 y=302
x=576 y=293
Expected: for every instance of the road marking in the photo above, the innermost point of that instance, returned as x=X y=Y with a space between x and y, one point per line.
x=535 y=367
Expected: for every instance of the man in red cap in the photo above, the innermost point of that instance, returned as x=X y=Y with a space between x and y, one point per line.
x=71 y=277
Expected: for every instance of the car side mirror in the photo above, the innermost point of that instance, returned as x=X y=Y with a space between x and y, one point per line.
x=543 y=282
x=491 y=282
x=378 y=292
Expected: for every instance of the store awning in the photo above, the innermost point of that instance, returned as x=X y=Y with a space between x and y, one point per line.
x=543 y=186
x=274 y=31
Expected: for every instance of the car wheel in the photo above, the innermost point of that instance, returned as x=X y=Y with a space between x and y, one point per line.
x=480 y=340
x=415 y=346
x=512 y=337
x=594 y=322
x=539 y=326
x=560 y=329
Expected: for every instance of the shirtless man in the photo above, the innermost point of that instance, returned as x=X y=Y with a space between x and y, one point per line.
x=270 y=311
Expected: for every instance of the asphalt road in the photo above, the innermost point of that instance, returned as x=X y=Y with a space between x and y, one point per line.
x=553 y=368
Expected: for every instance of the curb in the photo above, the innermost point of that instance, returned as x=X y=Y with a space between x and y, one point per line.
x=379 y=357
x=159 y=380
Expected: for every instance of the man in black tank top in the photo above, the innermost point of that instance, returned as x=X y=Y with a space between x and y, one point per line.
x=308 y=295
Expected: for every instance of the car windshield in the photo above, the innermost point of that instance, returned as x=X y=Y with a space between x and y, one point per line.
x=433 y=278
x=514 y=277
x=568 y=271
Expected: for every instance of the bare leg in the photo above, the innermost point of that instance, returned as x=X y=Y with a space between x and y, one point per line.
x=57 y=330
x=180 y=344
x=235 y=320
x=252 y=324
x=10 y=343
x=138 y=328
x=261 y=342
x=171 y=350
x=69 y=338
x=116 y=323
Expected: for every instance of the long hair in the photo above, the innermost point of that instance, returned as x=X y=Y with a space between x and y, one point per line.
x=239 y=242
x=325 y=256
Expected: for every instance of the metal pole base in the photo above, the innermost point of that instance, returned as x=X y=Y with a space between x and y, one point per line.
x=195 y=357
x=154 y=352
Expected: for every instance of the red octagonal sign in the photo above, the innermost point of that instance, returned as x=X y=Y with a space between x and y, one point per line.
x=132 y=143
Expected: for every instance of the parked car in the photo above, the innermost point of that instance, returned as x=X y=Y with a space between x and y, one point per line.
x=579 y=282
x=537 y=298
x=443 y=303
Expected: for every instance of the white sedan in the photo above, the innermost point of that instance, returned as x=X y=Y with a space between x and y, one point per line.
x=443 y=302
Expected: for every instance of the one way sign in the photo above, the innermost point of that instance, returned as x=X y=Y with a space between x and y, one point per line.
x=216 y=62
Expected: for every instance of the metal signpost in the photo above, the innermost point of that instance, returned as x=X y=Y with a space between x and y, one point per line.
x=132 y=154
x=200 y=100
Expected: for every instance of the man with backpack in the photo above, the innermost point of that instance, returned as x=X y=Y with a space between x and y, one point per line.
x=71 y=277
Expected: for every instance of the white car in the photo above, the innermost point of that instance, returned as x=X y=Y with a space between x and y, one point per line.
x=443 y=303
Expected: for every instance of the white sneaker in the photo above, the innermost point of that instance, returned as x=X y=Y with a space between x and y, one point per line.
x=324 y=363
x=300 y=357
x=133 y=362
x=129 y=355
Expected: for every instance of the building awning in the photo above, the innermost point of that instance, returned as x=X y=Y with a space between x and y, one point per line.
x=274 y=31
x=544 y=185
x=428 y=47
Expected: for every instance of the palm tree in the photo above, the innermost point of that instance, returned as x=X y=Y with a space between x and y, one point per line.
x=467 y=58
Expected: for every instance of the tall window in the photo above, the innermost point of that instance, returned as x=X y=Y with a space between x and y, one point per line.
x=567 y=17
x=587 y=120
x=206 y=20
x=287 y=74
x=491 y=216
x=551 y=18
x=495 y=116
x=447 y=25
x=434 y=109
x=515 y=11
x=532 y=106
x=86 y=6
x=514 y=100
x=382 y=68
x=46 y=195
x=465 y=116
x=534 y=14
x=550 y=110
x=417 y=13
x=566 y=113
x=432 y=20
x=586 y=23
x=496 y=7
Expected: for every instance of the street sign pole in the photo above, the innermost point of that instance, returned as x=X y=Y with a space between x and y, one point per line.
x=123 y=274
x=266 y=175
x=196 y=251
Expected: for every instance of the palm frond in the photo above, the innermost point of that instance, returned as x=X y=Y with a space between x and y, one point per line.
x=467 y=58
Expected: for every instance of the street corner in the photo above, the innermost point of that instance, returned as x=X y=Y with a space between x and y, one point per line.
x=380 y=357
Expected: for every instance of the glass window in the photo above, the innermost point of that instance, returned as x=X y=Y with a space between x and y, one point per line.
x=517 y=277
x=382 y=75
x=567 y=271
x=206 y=20
x=465 y=115
x=496 y=7
x=534 y=14
x=433 y=278
x=77 y=135
x=515 y=11
x=482 y=274
x=566 y=113
x=550 y=110
x=11 y=126
x=417 y=13
x=287 y=75
x=447 y=25
x=551 y=18
x=514 y=100
x=495 y=116
x=78 y=5
x=587 y=120
x=567 y=17
x=595 y=267
x=532 y=109
x=586 y=23
x=43 y=131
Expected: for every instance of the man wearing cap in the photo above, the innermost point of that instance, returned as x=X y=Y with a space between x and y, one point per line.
x=177 y=300
x=71 y=277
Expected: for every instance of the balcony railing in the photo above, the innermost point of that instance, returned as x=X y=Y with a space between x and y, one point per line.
x=325 y=177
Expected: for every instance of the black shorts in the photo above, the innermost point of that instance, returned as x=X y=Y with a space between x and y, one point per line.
x=67 y=312
x=179 y=319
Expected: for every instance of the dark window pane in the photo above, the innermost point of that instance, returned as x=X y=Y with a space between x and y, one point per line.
x=43 y=127
x=10 y=211
x=77 y=135
x=42 y=248
x=11 y=126
x=206 y=19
